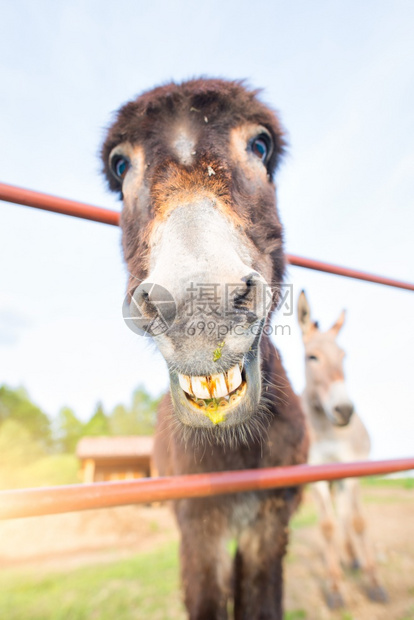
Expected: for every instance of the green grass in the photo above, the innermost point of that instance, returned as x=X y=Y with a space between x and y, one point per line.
x=297 y=614
x=395 y=483
x=51 y=470
x=145 y=586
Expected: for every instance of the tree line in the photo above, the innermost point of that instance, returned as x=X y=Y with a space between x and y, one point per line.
x=23 y=422
x=37 y=450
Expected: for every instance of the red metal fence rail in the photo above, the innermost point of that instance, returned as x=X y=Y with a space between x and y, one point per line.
x=51 y=500
x=46 y=202
x=29 y=198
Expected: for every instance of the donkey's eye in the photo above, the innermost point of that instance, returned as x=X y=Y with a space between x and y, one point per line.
x=261 y=146
x=312 y=357
x=120 y=166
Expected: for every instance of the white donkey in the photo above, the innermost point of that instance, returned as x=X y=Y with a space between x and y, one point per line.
x=337 y=434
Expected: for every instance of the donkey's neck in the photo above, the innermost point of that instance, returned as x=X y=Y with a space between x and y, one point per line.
x=276 y=388
x=315 y=414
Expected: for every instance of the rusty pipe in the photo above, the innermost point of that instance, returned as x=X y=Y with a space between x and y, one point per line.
x=52 y=500
x=29 y=198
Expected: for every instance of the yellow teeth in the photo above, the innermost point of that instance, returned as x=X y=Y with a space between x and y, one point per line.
x=234 y=378
x=218 y=386
x=213 y=386
x=217 y=410
x=215 y=395
x=185 y=384
x=200 y=387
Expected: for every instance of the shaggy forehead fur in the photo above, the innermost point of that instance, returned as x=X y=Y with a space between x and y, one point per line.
x=219 y=118
x=211 y=104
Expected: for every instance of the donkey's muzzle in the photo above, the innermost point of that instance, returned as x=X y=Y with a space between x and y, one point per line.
x=343 y=413
x=225 y=399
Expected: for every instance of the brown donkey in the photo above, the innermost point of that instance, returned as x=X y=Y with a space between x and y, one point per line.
x=202 y=240
x=337 y=434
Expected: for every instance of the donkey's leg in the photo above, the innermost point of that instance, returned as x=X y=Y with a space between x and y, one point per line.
x=205 y=565
x=327 y=523
x=350 y=508
x=344 y=504
x=258 y=578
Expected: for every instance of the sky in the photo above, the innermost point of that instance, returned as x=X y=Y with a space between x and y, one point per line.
x=341 y=76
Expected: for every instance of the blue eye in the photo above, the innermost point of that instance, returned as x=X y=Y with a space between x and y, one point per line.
x=120 y=166
x=261 y=147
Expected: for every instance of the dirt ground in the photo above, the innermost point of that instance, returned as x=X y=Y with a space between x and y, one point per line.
x=62 y=542
x=390 y=515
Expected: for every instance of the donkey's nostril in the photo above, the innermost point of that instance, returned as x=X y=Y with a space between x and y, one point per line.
x=245 y=297
x=251 y=279
x=145 y=304
x=344 y=411
x=152 y=301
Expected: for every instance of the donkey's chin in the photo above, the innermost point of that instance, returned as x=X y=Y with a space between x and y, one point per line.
x=226 y=399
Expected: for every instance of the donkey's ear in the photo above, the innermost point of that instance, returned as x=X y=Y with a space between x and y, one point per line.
x=304 y=316
x=339 y=323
